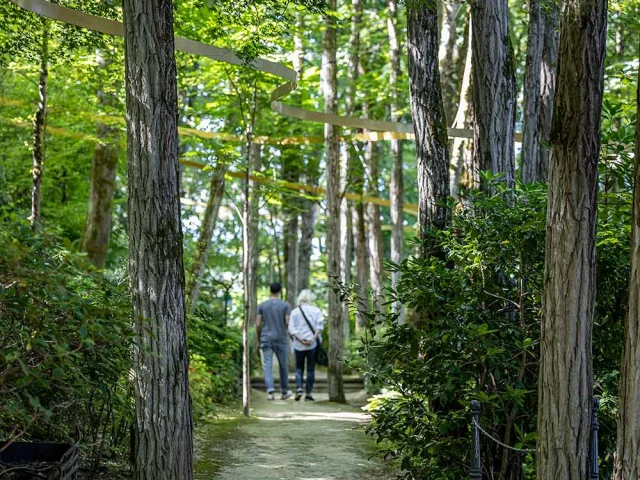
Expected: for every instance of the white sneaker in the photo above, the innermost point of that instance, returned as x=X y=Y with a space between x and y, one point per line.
x=284 y=396
x=271 y=396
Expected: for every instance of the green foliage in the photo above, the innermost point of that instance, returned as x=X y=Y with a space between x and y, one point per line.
x=473 y=333
x=66 y=341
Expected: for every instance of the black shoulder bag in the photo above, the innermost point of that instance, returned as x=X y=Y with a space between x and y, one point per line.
x=321 y=356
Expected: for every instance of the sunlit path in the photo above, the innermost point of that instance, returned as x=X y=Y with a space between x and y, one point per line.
x=291 y=440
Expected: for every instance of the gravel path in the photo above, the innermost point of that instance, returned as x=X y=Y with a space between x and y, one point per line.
x=290 y=440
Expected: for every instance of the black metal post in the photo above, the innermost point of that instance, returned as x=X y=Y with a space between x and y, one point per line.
x=476 y=467
x=595 y=474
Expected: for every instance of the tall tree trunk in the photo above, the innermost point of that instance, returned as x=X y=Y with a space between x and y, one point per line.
x=203 y=247
x=466 y=172
x=531 y=108
x=307 y=231
x=627 y=458
x=362 y=254
x=448 y=55
x=250 y=231
x=548 y=77
x=429 y=123
x=97 y=228
x=396 y=188
x=39 y=123
x=566 y=377
x=329 y=87
x=346 y=257
x=540 y=73
x=290 y=210
x=374 y=224
x=163 y=427
x=493 y=88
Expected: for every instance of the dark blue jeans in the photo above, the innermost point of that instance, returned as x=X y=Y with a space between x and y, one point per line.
x=269 y=347
x=310 y=356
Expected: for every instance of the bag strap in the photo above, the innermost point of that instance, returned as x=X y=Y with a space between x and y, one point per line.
x=307 y=320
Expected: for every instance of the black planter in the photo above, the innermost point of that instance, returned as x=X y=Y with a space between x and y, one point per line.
x=43 y=461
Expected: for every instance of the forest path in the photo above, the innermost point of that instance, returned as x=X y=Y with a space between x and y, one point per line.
x=290 y=440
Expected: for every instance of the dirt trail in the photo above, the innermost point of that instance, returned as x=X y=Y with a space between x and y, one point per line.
x=290 y=440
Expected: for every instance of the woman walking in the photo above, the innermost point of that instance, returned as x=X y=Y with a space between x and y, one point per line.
x=305 y=328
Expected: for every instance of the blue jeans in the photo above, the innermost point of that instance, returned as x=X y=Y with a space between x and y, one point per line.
x=310 y=356
x=280 y=348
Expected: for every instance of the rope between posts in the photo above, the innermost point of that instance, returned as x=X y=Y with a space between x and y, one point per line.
x=504 y=445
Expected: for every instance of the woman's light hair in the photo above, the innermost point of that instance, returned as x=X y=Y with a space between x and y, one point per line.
x=306 y=296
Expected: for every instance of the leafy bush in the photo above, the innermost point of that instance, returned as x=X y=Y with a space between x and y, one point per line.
x=473 y=333
x=66 y=339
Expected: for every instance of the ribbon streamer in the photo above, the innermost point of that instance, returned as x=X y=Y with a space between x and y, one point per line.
x=380 y=130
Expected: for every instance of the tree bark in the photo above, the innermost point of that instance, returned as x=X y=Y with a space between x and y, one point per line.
x=396 y=187
x=346 y=257
x=97 y=229
x=374 y=231
x=290 y=210
x=336 y=332
x=427 y=111
x=307 y=231
x=531 y=108
x=493 y=88
x=39 y=123
x=566 y=377
x=627 y=458
x=250 y=231
x=548 y=78
x=466 y=172
x=448 y=56
x=163 y=426
x=540 y=73
x=203 y=247
x=362 y=255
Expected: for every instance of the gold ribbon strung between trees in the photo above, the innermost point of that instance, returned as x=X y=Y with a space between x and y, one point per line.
x=379 y=130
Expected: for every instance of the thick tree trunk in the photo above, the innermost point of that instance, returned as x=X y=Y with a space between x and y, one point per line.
x=336 y=331
x=540 y=73
x=97 y=228
x=250 y=231
x=493 y=88
x=396 y=187
x=548 y=77
x=203 y=247
x=448 y=56
x=39 y=123
x=429 y=123
x=627 y=458
x=374 y=230
x=466 y=172
x=163 y=428
x=566 y=378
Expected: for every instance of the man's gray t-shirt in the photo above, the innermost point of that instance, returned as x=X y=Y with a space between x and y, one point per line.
x=273 y=313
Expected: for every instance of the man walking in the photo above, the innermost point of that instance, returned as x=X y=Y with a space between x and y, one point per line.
x=272 y=325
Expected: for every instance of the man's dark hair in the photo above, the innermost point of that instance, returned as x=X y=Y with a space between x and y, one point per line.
x=275 y=287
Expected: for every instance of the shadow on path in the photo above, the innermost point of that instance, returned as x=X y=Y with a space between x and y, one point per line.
x=291 y=440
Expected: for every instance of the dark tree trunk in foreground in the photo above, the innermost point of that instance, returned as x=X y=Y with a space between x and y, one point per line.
x=396 y=188
x=432 y=143
x=163 y=427
x=39 y=122
x=97 y=228
x=566 y=377
x=493 y=88
x=627 y=458
x=336 y=331
x=203 y=247
x=250 y=231
x=540 y=75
